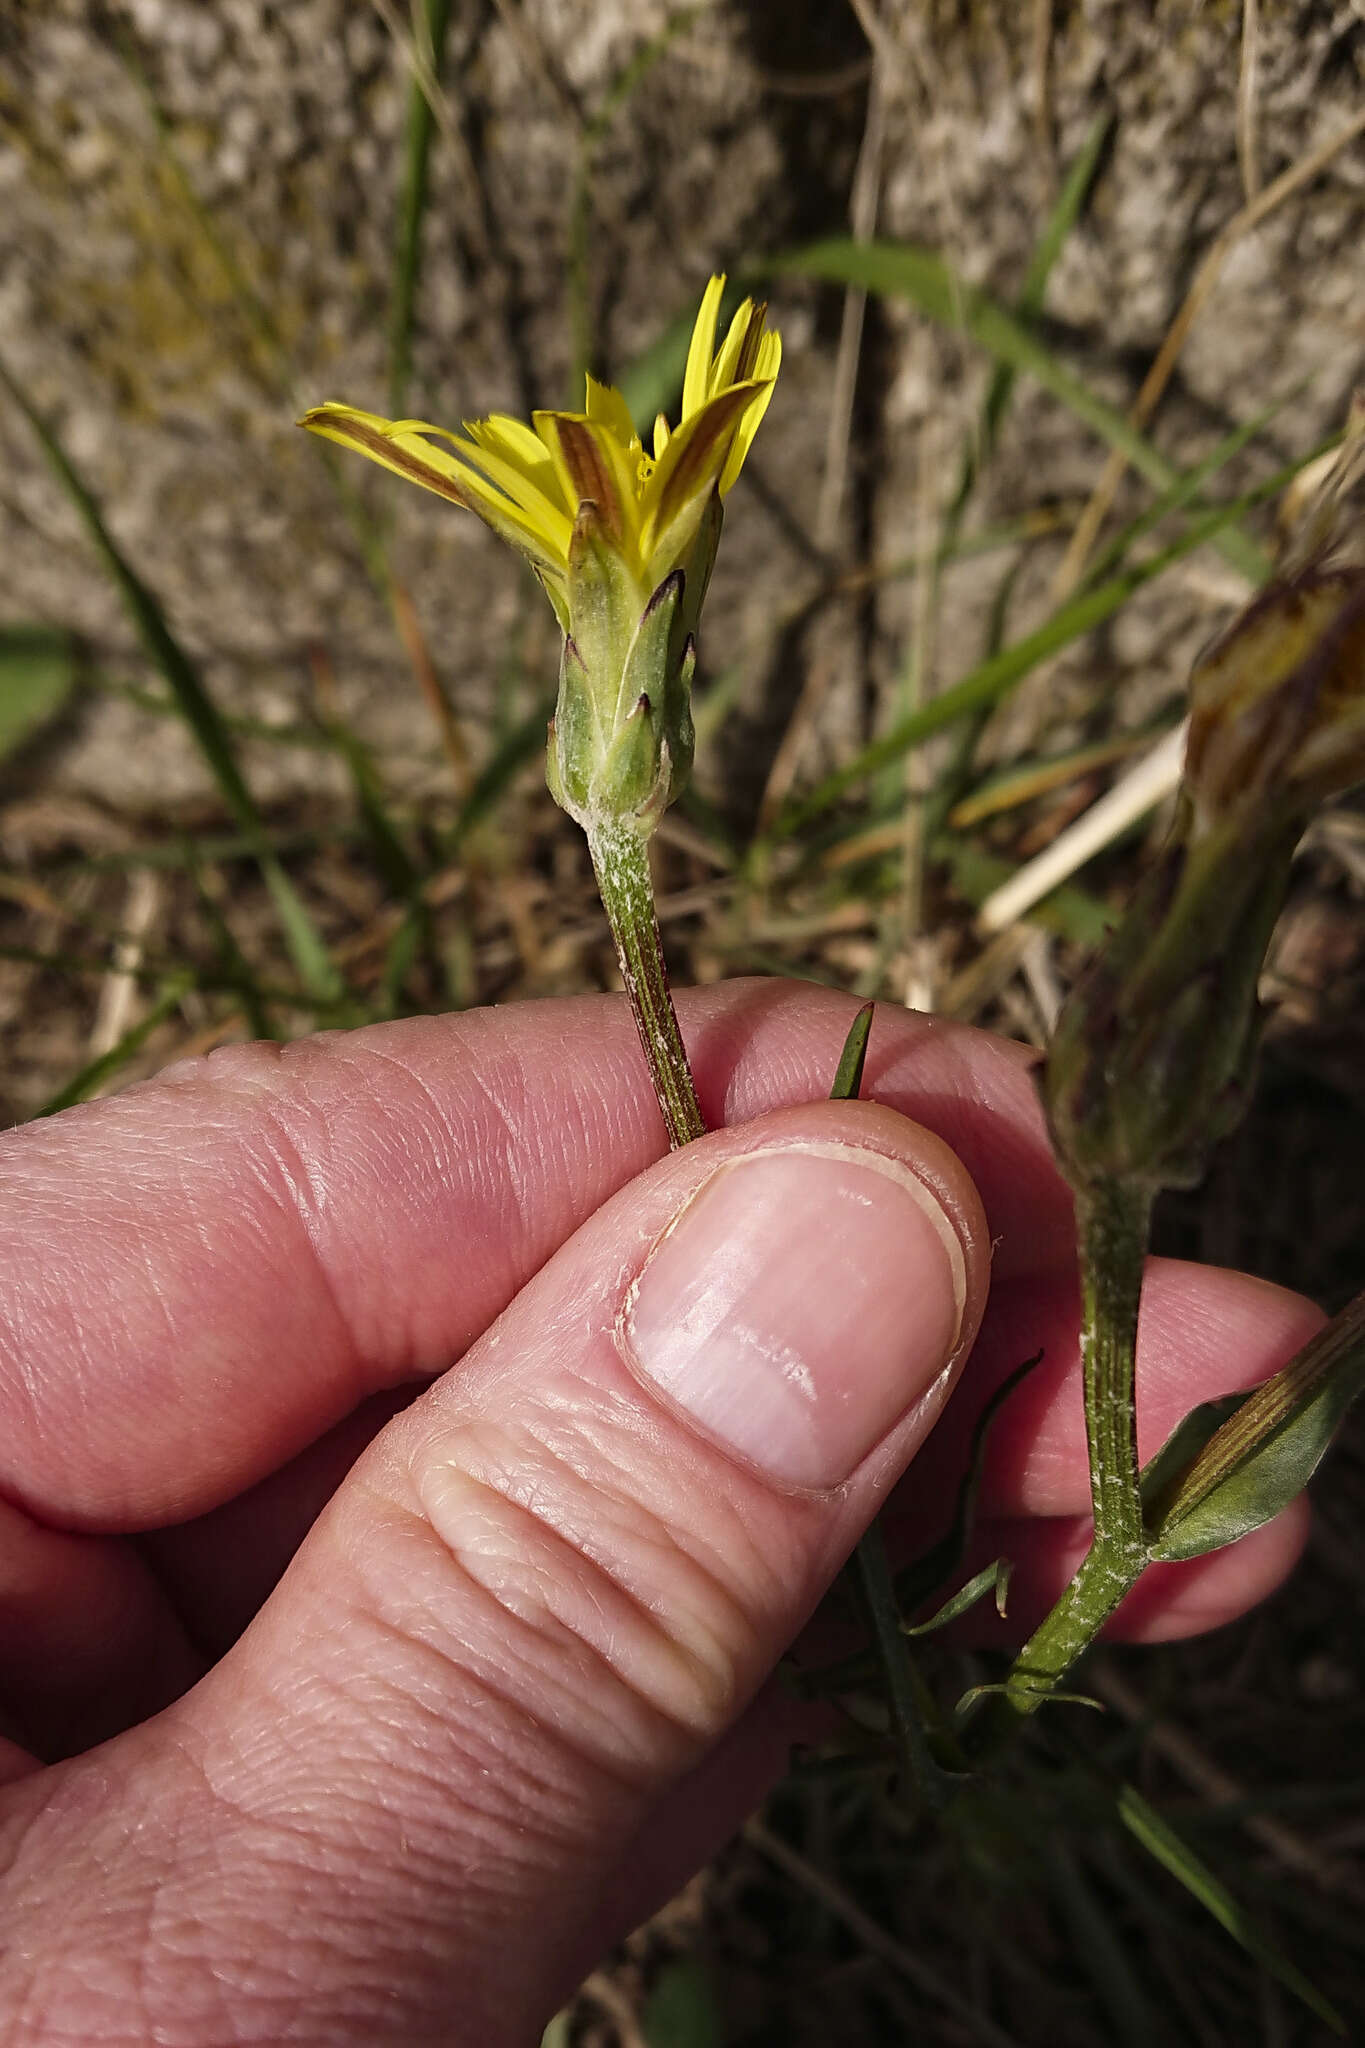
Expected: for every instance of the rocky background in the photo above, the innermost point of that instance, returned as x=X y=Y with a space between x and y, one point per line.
x=200 y=204
x=197 y=236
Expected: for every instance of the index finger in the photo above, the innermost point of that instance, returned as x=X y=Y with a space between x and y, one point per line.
x=199 y=1277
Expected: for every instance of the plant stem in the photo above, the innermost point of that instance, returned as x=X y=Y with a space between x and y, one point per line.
x=922 y=1783
x=1112 y=1218
x=620 y=860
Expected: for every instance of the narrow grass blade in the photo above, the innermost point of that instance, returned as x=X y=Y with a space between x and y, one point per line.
x=681 y=2010
x=978 y=448
x=1024 y=780
x=1188 y=488
x=38 y=670
x=518 y=746
x=235 y=966
x=1160 y=1840
x=403 y=948
x=919 y=1580
x=848 y=1077
x=922 y=1786
x=108 y=1064
x=412 y=206
x=903 y=271
x=993 y=678
x=1060 y=221
x=196 y=707
x=390 y=855
x=1099 y=1950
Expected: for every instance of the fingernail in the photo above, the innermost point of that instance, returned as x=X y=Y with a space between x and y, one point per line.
x=798 y=1305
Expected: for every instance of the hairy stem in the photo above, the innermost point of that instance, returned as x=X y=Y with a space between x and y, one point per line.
x=620 y=860
x=1112 y=1220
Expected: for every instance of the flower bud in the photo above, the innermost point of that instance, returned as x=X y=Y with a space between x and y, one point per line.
x=1151 y=1060
x=621 y=739
x=1277 y=704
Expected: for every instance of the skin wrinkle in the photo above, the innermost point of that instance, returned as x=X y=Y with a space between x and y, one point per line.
x=308 y=1201
x=273 y=1718
x=125 y=1954
x=323 y=1144
x=157 y=1257
x=539 y=1579
x=547 y=1794
x=734 y=1030
x=265 y=1838
x=718 y=1548
x=637 y=1536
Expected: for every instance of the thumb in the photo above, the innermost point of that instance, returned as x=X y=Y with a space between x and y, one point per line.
x=543 y=1596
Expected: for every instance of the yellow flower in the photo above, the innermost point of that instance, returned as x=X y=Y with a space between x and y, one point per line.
x=530 y=482
x=623 y=540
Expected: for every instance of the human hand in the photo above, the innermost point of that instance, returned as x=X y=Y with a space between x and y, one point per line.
x=510 y=1686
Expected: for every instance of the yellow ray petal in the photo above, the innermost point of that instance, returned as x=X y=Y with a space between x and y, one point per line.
x=534 y=488
x=397 y=445
x=591 y=465
x=608 y=408
x=514 y=440
x=697 y=377
x=730 y=366
x=768 y=364
x=690 y=466
x=527 y=519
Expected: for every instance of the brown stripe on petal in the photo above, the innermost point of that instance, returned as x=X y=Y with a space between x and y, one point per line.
x=371 y=442
x=701 y=454
x=748 y=348
x=590 y=475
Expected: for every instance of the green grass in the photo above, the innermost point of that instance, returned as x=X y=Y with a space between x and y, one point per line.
x=1057 y=1897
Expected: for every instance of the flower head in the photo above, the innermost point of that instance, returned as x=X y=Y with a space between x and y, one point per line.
x=621 y=537
x=529 y=482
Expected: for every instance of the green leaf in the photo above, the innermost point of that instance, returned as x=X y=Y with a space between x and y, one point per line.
x=936 y=1566
x=1160 y=1840
x=922 y=1783
x=108 y=1064
x=848 y=1078
x=38 y=670
x=1057 y=227
x=1263 y=1453
x=1050 y=1698
x=1099 y=1949
x=903 y=271
x=992 y=679
x=681 y=2010
x=1162 y=1474
x=196 y=706
x=995 y=1580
